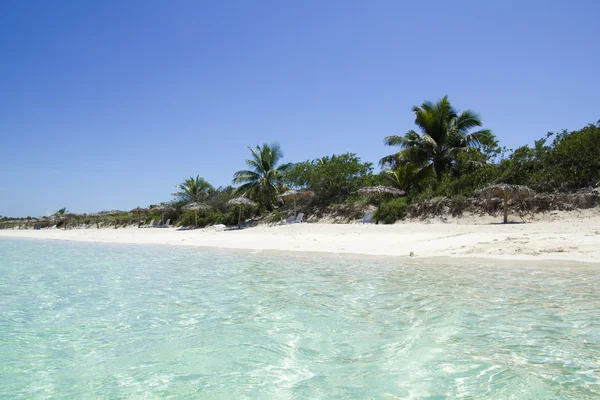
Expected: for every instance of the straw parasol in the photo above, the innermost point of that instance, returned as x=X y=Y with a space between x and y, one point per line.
x=139 y=211
x=380 y=191
x=162 y=208
x=241 y=202
x=195 y=206
x=506 y=193
x=296 y=194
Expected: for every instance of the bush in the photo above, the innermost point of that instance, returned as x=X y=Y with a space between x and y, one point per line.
x=392 y=210
x=333 y=179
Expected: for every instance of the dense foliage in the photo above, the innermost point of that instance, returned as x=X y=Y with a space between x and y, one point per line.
x=333 y=179
x=445 y=137
x=570 y=161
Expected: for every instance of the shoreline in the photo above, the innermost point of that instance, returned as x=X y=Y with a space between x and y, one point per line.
x=573 y=238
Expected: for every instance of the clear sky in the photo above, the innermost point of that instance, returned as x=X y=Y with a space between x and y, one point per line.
x=110 y=104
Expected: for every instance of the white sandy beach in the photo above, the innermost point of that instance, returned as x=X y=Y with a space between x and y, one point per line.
x=573 y=236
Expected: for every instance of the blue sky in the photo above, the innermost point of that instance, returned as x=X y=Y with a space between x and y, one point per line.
x=110 y=104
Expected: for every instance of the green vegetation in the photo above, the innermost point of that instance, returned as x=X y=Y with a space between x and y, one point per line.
x=193 y=190
x=61 y=212
x=569 y=162
x=447 y=161
x=444 y=139
x=334 y=179
x=392 y=210
x=264 y=180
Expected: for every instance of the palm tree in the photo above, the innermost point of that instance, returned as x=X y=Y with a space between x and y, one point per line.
x=61 y=212
x=194 y=190
x=264 y=180
x=406 y=175
x=444 y=136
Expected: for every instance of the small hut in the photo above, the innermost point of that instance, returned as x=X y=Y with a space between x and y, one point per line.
x=241 y=202
x=506 y=193
x=380 y=191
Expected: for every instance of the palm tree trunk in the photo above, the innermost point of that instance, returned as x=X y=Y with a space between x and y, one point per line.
x=196 y=217
x=240 y=218
x=438 y=172
x=505 y=201
x=379 y=209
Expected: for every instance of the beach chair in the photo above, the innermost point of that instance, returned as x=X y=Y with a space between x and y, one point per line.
x=290 y=219
x=219 y=227
x=158 y=224
x=368 y=217
x=167 y=224
x=299 y=218
x=150 y=225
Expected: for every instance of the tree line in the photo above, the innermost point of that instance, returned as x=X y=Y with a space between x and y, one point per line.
x=449 y=154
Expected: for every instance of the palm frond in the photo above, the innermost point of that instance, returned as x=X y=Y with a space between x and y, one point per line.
x=475 y=139
x=467 y=120
x=414 y=155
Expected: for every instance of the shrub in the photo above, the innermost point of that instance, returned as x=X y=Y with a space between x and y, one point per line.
x=392 y=210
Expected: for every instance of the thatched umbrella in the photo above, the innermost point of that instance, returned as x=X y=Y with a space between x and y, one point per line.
x=195 y=206
x=296 y=194
x=139 y=211
x=380 y=191
x=162 y=209
x=506 y=193
x=241 y=202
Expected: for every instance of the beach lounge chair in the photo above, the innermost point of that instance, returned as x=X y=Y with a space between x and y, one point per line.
x=167 y=224
x=150 y=225
x=290 y=219
x=158 y=224
x=368 y=217
x=299 y=218
x=219 y=227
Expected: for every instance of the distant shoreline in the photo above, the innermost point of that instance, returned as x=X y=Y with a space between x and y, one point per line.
x=568 y=236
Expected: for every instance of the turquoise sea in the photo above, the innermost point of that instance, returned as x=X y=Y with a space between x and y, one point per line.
x=98 y=321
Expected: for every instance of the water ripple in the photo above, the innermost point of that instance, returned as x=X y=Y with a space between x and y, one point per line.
x=106 y=321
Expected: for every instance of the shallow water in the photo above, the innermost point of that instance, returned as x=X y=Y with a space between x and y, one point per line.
x=84 y=320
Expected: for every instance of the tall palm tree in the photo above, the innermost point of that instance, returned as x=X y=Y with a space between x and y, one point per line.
x=61 y=212
x=264 y=179
x=193 y=189
x=444 y=136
